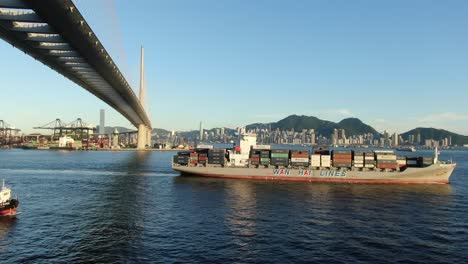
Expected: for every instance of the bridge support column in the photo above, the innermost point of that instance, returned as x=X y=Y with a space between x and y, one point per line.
x=148 y=137
x=142 y=137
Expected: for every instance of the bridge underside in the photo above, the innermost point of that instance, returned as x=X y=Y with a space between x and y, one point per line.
x=56 y=34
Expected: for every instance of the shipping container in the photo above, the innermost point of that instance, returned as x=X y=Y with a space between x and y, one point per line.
x=280 y=155
x=386 y=157
x=280 y=151
x=359 y=153
x=387 y=166
x=370 y=166
x=261 y=147
x=315 y=160
x=342 y=156
x=300 y=164
x=386 y=162
x=300 y=159
x=205 y=147
x=359 y=165
x=359 y=158
x=342 y=152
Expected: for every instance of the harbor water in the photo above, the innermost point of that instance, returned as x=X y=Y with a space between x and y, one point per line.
x=131 y=207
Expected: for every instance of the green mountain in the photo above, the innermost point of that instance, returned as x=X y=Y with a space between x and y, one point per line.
x=436 y=134
x=352 y=126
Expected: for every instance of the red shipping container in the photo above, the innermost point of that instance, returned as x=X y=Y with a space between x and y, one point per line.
x=342 y=156
x=387 y=166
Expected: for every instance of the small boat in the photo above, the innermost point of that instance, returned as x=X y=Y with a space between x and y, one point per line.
x=410 y=149
x=8 y=206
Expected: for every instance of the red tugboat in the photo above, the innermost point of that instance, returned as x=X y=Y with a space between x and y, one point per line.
x=7 y=205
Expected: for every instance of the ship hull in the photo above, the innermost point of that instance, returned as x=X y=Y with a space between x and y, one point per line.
x=434 y=174
x=10 y=208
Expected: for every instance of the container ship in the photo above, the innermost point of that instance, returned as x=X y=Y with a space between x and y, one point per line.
x=247 y=160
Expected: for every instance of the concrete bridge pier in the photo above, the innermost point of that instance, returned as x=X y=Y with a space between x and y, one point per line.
x=142 y=137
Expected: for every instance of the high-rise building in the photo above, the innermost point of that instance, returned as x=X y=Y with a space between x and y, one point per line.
x=342 y=134
x=102 y=121
x=201 y=131
x=222 y=131
x=386 y=142
x=395 y=139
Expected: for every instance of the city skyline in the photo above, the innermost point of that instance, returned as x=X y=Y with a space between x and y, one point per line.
x=395 y=66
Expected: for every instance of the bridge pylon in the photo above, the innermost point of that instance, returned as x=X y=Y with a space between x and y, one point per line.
x=143 y=131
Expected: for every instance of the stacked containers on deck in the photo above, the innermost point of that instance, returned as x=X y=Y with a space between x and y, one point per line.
x=260 y=154
x=280 y=157
x=386 y=160
x=369 y=159
x=182 y=158
x=216 y=156
x=401 y=161
x=254 y=157
x=315 y=160
x=342 y=158
x=194 y=158
x=202 y=156
x=414 y=161
x=358 y=159
x=265 y=157
x=325 y=158
x=299 y=158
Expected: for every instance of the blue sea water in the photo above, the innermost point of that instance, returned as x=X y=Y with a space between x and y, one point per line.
x=131 y=207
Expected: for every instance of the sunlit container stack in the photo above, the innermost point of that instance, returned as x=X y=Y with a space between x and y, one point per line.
x=386 y=159
x=216 y=156
x=342 y=158
x=369 y=160
x=194 y=158
x=300 y=158
x=280 y=157
x=358 y=159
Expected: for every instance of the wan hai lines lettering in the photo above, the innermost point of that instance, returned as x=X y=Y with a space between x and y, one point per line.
x=309 y=173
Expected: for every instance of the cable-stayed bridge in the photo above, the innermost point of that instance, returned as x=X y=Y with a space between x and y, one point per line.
x=55 y=33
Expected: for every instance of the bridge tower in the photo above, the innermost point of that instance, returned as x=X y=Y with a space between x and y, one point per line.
x=144 y=132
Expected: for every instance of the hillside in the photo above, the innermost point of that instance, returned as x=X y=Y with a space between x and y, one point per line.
x=436 y=134
x=353 y=126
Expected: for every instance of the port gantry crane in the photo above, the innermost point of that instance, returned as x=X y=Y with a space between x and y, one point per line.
x=76 y=129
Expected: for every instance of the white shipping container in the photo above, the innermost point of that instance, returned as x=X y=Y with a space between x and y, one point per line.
x=358 y=162
x=326 y=158
x=369 y=166
x=359 y=158
x=315 y=160
x=401 y=162
x=265 y=147
x=315 y=163
x=359 y=165
x=386 y=157
x=299 y=160
x=326 y=164
x=205 y=146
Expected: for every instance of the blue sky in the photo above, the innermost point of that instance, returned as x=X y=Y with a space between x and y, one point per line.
x=394 y=64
